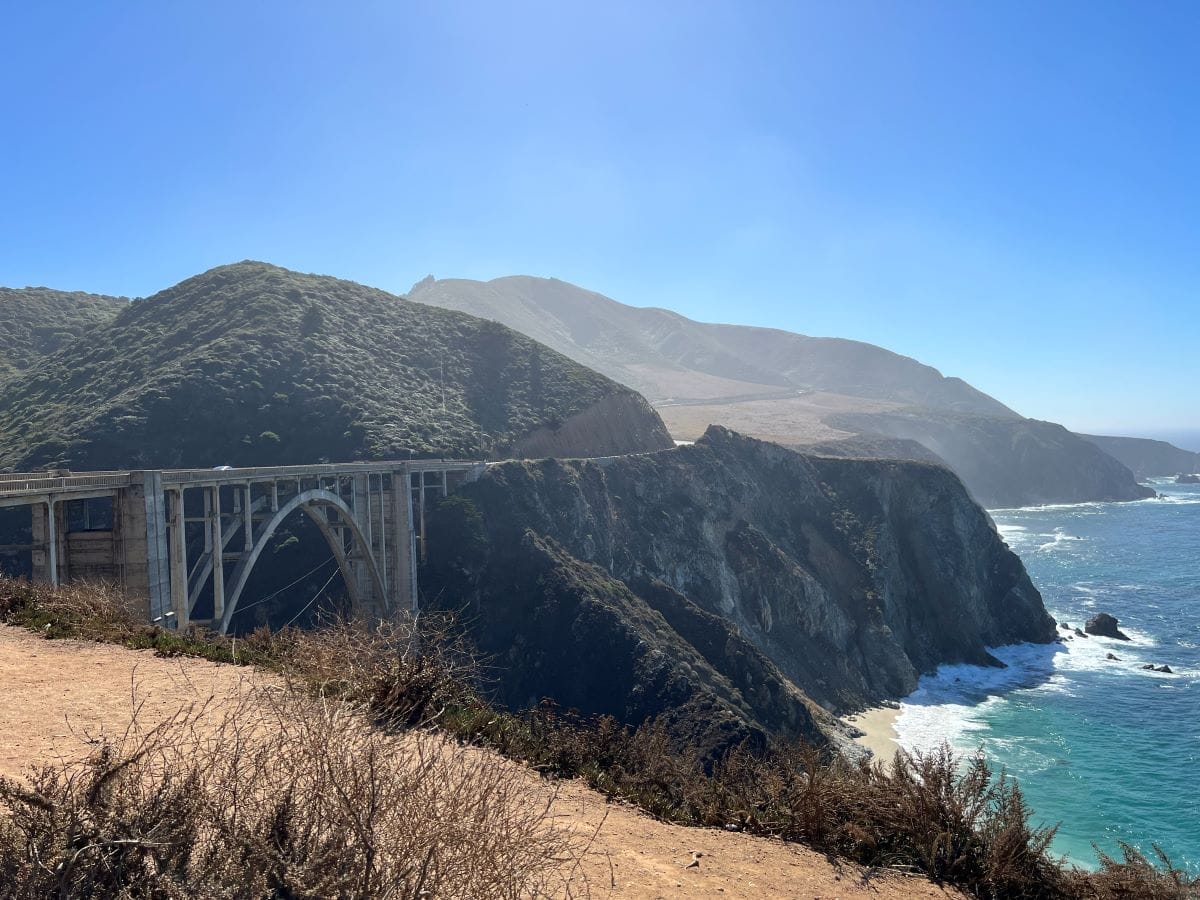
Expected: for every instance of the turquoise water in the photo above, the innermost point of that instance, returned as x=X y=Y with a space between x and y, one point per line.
x=1103 y=747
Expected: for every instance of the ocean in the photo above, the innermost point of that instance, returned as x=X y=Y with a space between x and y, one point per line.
x=1102 y=747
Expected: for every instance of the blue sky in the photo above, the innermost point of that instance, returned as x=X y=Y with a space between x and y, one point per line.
x=1005 y=190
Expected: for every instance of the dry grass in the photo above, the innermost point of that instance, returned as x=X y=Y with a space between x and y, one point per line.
x=359 y=817
x=284 y=796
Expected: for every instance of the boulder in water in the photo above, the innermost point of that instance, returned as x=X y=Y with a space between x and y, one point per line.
x=1165 y=669
x=1112 y=656
x=1080 y=633
x=1104 y=625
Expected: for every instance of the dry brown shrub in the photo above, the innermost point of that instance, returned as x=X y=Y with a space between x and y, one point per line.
x=1134 y=876
x=282 y=796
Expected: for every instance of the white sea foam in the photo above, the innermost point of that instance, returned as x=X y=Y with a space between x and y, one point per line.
x=952 y=705
x=1184 y=499
x=1089 y=505
x=1058 y=539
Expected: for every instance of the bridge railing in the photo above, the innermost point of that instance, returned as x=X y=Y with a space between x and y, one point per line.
x=176 y=477
x=15 y=484
x=41 y=482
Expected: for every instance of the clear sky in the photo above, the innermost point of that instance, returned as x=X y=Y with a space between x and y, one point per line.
x=1006 y=190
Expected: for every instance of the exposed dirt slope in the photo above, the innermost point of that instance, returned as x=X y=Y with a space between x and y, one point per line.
x=59 y=694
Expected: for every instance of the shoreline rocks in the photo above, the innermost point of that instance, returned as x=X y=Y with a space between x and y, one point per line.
x=1105 y=625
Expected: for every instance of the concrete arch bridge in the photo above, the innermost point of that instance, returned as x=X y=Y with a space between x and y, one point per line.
x=182 y=540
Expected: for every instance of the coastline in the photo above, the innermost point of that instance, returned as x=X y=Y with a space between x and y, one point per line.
x=878 y=727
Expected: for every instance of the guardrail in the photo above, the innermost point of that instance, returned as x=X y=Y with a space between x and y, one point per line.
x=40 y=482
x=18 y=483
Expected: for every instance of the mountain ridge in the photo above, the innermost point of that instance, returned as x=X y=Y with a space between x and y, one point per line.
x=602 y=329
x=253 y=364
x=799 y=391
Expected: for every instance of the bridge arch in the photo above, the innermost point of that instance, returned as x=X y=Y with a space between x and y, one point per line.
x=314 y=503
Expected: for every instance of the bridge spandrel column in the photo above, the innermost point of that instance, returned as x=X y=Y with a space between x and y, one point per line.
x=178 y=568
x=360 y=503
x=400 y=542
x=41 y=532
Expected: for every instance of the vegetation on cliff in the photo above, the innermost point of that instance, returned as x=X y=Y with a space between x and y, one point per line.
x=39 y=321
x=252 y=364
x=154 y=814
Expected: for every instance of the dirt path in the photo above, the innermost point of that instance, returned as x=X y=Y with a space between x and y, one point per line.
x=57 y=696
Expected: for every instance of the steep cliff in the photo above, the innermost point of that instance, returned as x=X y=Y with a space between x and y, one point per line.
x=847 y=577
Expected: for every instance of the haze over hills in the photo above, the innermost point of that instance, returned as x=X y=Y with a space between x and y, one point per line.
x=828 y=394
x=253 y=364
x=1146 y=457
x=37 y=321
x=670 y=358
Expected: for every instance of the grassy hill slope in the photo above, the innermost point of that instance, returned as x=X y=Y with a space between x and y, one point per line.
x=37 y=321
x=251 y=364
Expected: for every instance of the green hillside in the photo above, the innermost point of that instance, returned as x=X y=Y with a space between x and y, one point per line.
x=251 y=364
x=38 y=321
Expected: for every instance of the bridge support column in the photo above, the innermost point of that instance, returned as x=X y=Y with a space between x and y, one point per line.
x=403 y=583
x=360 y=503
x=421 y=508
x=179 y=570
x=47 y=542
x=142 y=523
x=216 y=542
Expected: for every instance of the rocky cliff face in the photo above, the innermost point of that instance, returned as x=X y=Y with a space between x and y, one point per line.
x=843 y=578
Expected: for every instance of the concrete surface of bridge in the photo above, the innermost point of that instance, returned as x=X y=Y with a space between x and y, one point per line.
x=177 y=540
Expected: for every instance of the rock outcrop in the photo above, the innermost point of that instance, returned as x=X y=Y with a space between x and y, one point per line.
x=1105 y=625
x=843 y=578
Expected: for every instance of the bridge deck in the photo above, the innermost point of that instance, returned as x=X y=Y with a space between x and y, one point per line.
x=14 y=486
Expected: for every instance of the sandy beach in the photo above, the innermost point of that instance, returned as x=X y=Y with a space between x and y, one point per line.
x=878 y=725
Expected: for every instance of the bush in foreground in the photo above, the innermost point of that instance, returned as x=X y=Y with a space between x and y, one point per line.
x=280 y=796
x=953 y=820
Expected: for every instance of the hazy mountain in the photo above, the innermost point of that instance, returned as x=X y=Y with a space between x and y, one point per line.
x=1146 y=457
x=254 y=364
x=37 y=321
x=1005 y=462
x=829 y=395
x=669 y=357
